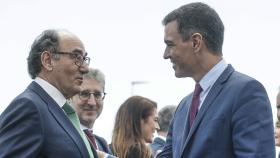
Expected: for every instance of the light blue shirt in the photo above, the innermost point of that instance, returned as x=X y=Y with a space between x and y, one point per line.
x=210 y=78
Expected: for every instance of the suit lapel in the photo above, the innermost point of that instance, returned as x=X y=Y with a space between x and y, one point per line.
x=101 y=143
x=61 y=118
x=214 y=92
x=187 y=104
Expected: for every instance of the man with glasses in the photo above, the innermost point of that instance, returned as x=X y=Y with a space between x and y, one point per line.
x=89 y=104
x=39 y=122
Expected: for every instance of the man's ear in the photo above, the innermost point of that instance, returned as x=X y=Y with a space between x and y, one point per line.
x=46 y=60
x=197 y=40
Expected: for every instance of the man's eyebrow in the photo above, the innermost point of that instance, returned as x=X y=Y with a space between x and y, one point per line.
x=168 y=41
x=77 y=51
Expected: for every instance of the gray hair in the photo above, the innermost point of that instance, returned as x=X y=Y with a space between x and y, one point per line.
x=97 y=75
x=164 y=117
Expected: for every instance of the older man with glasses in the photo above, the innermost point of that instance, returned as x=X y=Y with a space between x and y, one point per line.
x=39 y=122
x=89 y=104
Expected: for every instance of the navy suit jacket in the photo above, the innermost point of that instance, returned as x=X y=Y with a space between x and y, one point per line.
x=102 y=144
x=234 y=121
x=34 y=126
x=156 y=145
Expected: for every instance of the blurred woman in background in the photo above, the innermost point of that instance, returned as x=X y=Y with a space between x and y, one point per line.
x=135 y=123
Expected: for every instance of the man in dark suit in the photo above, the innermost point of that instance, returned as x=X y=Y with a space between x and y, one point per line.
x=89 y=105
x=34 y=124
x=165 y=115
x=229 y=114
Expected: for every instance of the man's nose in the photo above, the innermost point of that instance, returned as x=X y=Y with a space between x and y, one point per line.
x=157 y=126
x=84 y=68
x=91 y=100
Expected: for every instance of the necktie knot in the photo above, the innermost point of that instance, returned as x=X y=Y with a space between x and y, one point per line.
x=91 y=137
x=88 y=132
x=197 y=89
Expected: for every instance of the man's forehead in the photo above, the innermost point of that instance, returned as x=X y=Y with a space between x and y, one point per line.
x=90 y=82
x=171 y=27
x=71 y=43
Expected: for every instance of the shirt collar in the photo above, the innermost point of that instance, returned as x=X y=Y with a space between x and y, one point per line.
x=210 y=78
x=53 y=92
x=83 y=127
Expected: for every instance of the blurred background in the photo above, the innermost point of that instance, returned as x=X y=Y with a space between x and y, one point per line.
x=124 y=38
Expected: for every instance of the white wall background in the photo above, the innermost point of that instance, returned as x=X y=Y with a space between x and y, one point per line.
x=124 y=38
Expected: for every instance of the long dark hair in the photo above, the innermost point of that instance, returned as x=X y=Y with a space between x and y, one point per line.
x=127 y=136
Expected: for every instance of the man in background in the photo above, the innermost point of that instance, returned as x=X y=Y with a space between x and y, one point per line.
x=39 y=122
x=164 y=117
x=89 y=105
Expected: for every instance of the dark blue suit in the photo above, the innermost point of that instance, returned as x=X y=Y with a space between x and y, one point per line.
x=102 y=144
x=34 y=126
x=157 y=145
x=234 y=121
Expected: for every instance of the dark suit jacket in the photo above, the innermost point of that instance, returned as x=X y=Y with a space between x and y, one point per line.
x=34 y=126
x=235 y=121
x=156 y=145
x=102 y=144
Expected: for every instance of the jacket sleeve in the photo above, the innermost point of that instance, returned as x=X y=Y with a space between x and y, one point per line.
x=20 y=130
x=252 y=130
x=167 y=150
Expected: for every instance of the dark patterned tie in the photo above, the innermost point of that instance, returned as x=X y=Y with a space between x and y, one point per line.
x=91 y=137
x=195 y=104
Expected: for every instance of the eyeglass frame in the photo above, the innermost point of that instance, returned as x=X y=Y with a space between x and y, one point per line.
x=76 y=56
x=94 y=94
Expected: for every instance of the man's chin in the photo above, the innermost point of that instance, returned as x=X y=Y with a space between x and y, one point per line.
x=90 y=117
x=178 y=75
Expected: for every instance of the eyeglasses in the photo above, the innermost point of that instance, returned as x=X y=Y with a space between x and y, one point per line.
x=85 y=95
x=79 y=59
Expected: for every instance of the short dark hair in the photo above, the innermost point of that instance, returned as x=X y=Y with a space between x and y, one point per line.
x=164 y=117
x=201 y=18
x=46 y=41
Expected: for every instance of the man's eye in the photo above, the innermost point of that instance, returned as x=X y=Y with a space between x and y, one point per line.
x=168 y=44
x=84 y=93
x=97 y=95
x=79 y=57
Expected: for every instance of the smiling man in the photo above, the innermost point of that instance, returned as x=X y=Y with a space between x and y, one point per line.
x=89 y=105
x=228 y=115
